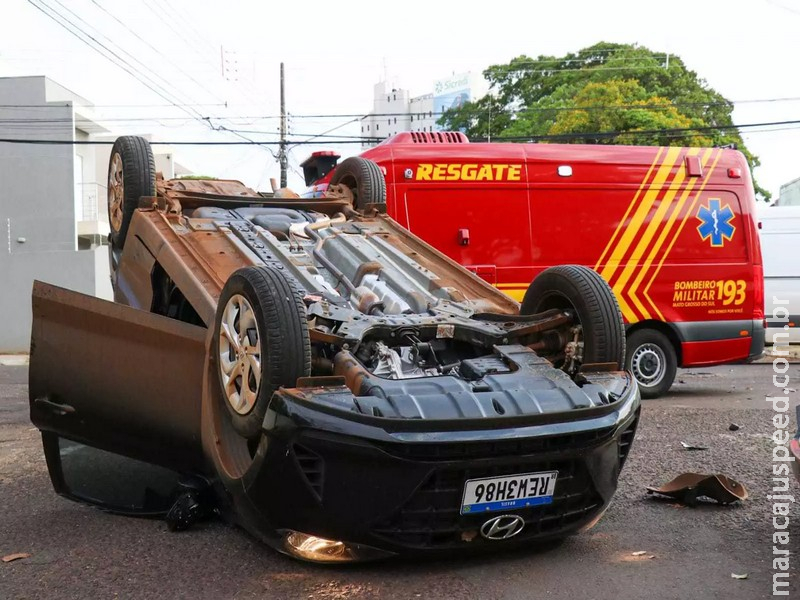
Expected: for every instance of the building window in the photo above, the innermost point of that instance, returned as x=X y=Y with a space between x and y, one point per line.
x=412 y=118
x=367 y=127
x=395 y=120
x=377 y=126
x=395 y=96
x=388 y=99
x=362 y=129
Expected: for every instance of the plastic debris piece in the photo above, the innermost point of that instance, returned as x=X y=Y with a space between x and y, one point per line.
x=733 y=427
x=693 y=446
x=639 y=553
x=12 y=557
x=737 y=576
x=688 y=487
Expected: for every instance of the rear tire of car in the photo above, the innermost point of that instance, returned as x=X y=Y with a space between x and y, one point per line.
x=364 y=178
x=578 y=288
x=652 y=360
x=260 y=351
x=131 y=175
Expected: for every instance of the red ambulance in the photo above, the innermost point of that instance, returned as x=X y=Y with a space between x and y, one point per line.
x=671 y=229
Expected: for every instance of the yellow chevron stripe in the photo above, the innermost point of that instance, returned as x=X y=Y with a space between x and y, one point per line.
x=653 y=227
x=686 y=218
x=642 y=210
x=621 y=223
x=666 y=231
x=639 y=216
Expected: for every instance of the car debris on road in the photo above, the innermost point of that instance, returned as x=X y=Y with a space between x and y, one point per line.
x=689 y=487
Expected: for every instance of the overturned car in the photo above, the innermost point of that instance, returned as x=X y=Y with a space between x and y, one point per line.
x=325 y=379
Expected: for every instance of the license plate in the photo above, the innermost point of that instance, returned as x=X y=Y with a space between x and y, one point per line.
x=509 y=492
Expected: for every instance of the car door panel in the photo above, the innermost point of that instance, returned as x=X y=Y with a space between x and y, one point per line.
x=116 y=378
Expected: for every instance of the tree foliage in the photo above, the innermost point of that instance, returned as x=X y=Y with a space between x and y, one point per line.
x=605 y=94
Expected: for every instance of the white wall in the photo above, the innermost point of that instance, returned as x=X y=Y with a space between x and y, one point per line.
x=38 y=231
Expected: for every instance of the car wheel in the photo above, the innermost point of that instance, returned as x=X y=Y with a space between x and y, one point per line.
x=652 y=360
x=364 y=178
x=131 y=175
x=261 y=342
x=581 y=289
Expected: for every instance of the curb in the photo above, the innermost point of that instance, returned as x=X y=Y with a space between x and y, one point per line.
x=14 y=360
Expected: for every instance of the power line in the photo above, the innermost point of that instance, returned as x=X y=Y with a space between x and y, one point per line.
x=123 y=64
x=176 y=143
x=69 y=103
x=248 y=91
x=640 y=132
x=153 y=78
x=148 y=44
x=165 y=94
x=354 y=115
x=598 y=134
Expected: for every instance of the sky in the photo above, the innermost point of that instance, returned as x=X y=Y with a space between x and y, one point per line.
x=334 y=53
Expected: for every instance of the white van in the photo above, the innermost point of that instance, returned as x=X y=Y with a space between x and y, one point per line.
x=780 y=246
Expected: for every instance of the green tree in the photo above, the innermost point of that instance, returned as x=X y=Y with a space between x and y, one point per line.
x=605 y=94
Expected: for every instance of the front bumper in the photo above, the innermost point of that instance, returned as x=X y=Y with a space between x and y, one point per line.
x=398 y=486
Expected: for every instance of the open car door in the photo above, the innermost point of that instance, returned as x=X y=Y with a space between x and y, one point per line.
x=116 y=392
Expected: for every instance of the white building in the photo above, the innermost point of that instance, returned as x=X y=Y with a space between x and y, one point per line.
x=53 y=199
x=394 y=111
x=789 y=194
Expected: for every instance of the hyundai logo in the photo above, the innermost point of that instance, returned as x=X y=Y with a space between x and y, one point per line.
x=502 y=527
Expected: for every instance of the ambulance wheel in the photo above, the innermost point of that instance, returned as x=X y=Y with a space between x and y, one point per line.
x=364 y=178
x=652 y=360
x=579 y=288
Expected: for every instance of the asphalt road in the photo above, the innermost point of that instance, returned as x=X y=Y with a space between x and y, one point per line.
x=80 y=552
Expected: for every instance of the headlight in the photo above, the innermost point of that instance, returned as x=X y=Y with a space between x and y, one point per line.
x=322 y=550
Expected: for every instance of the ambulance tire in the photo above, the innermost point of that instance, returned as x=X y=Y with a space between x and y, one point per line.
x=579 y=288
x=364 y=178
x=652 y=361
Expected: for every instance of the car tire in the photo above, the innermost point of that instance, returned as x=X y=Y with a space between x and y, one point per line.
x=581 y=289
x=131 y=175
x=261 y=343
x=652 y=360
x=364 y=178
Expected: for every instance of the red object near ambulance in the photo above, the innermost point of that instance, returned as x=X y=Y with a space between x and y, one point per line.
x=671 y=229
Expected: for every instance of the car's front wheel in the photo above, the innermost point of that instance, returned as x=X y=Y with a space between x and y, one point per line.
x=261 y=342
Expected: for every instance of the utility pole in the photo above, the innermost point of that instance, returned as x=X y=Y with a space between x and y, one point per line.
x=283 y=159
